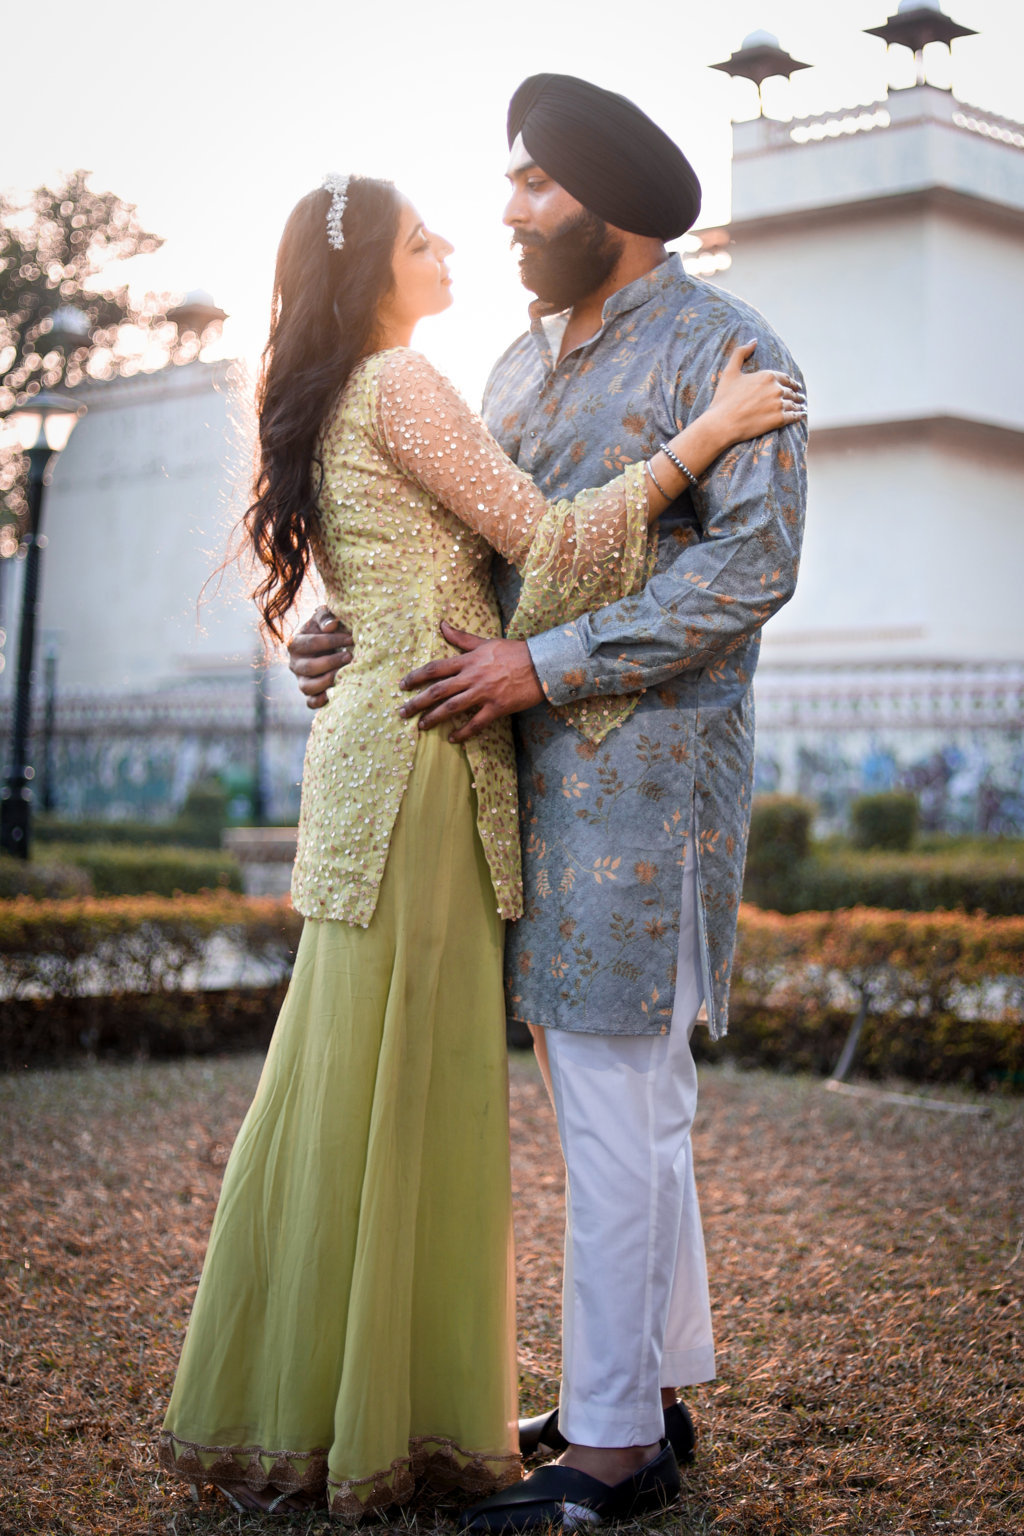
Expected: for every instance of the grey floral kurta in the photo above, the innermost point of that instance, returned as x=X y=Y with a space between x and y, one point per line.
x=606 y=829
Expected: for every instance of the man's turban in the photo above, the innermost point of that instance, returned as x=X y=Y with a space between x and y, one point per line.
x=607 y=154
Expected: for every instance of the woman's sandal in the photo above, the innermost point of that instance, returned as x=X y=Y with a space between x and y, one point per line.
x=268 y=1501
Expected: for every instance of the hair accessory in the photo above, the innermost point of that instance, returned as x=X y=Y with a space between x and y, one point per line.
x=667 y=451
x=657 y=484
x=337 y=186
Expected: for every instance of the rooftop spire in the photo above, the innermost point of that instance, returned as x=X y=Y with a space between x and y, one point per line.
x=915 y=24
x=759 y=58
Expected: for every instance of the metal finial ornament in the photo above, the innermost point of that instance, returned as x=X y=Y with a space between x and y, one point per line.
x=758 y=59
x=915 y=24
x=337 y=186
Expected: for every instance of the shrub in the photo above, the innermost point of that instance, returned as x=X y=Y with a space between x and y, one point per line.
x=35 y=1033
x=886 y=820
x=205 y=814
x=140 y=869
x=47 y=880
x=128 y=973
x=943 y=993
x=51 y=829
x=914 y=882
x=780 y=832
x=200 y=824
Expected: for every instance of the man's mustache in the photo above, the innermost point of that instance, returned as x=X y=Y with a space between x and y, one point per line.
x=527 y=240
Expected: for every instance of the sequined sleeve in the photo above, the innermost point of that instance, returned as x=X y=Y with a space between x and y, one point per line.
x=429 y=431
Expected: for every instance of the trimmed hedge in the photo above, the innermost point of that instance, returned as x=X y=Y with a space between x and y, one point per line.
x=45 y=881
x=911 y=882
x=779 y=843
x=200 y=824
x=163 y=834
x=943 y=993
x=787 y=872
x=35 y=1033
x=886 y=820
x=125 y=975
x=142 y=869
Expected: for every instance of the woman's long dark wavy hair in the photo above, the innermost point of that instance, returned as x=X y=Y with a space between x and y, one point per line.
x=323 y=321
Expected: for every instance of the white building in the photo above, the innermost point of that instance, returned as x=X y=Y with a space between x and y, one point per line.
x=155 y=653
x=886 y=245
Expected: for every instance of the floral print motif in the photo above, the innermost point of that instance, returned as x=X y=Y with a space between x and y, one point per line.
x=607 y=826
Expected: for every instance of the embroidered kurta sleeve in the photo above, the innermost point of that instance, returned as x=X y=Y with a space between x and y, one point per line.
x=574 y=554
x=718 y=591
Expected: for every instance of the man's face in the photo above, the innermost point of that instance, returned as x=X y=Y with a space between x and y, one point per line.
x=566 y=252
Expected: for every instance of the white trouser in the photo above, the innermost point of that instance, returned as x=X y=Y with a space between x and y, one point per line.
x=636 y=1315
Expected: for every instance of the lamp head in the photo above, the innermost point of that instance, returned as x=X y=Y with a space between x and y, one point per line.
x=47 y=420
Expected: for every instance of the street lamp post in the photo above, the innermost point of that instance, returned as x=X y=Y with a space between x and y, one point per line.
x=48 y=788
x=41 y=427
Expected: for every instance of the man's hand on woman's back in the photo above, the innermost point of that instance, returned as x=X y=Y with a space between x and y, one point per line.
x=317 y=652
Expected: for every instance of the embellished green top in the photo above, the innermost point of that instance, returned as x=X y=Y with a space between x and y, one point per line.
x=415 y=495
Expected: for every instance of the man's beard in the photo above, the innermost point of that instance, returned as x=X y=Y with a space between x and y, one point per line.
x=563 y=268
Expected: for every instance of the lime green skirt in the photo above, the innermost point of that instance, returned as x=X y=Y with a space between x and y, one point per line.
x=353 y=1330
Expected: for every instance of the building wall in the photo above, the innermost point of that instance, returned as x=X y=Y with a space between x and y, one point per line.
x=886 y=246
x=915 y=139
x=147 y=697
x=899 y=313
x=913 y=551
x=137 y=519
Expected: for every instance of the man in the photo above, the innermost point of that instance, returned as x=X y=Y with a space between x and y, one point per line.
x=633 y=849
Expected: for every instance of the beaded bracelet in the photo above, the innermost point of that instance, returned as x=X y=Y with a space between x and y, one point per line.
x=667 y=451
x=657 y=485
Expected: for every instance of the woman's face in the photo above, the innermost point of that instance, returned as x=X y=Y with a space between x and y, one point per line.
x=422 y=285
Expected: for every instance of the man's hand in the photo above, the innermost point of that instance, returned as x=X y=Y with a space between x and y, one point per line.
x=490 y=679
x=316 y=654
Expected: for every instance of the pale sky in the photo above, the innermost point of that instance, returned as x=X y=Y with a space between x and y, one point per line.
x=215 y=117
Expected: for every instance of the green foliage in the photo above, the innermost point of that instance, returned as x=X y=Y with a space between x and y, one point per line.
x=126 y=975
x=52 y=246
x=943 y=993
x=43 y=880
x=780 y=833
x=914 y=882
x=37 y=1032
x=941 y=1048
x=51 y=829
x=886 y=820
x=147 y=869
x=204 y=814
x=833 y=876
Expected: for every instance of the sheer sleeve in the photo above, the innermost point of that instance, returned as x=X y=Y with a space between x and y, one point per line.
x=429 y=431
x=575 y=555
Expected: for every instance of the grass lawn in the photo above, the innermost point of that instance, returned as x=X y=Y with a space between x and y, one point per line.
x=867 y=1268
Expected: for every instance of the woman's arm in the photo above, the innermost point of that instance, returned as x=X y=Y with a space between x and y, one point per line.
x=431 y=434
x=744 y=406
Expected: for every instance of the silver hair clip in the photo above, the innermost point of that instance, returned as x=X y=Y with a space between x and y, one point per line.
x=337 y=186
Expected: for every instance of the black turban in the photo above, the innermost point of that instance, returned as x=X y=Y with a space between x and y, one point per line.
x=607 y=154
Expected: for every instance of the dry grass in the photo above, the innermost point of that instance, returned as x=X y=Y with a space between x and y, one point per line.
x=867 y=1264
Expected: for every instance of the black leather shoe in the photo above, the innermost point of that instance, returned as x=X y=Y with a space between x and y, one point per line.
x=562 y=1496
x=543 y=1435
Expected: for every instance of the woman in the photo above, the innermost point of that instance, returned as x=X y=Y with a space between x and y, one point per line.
x=353 y=1330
